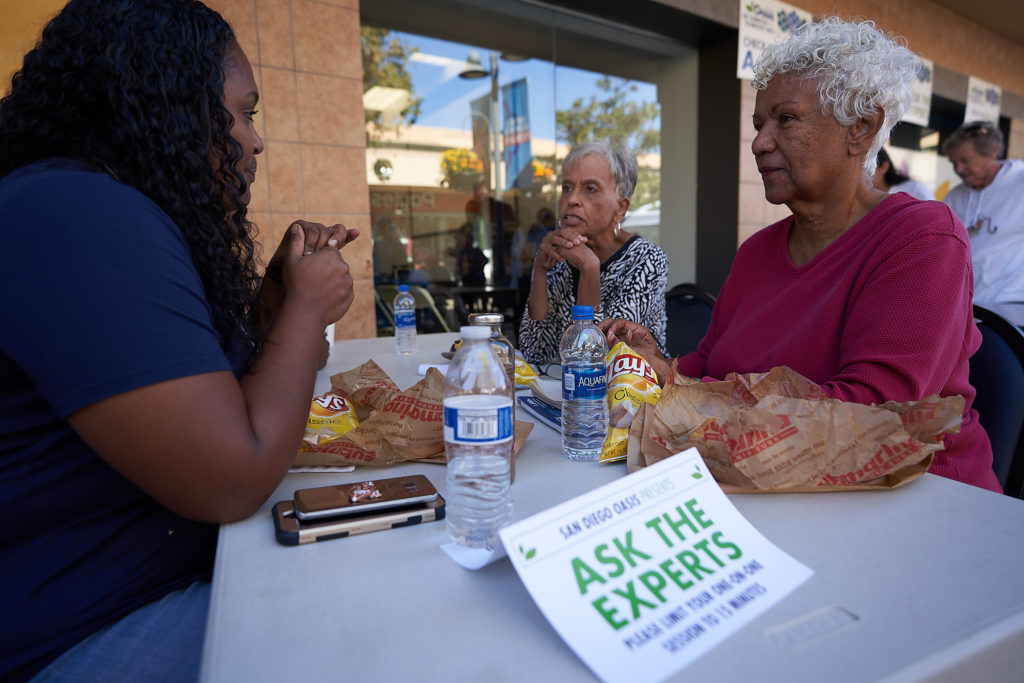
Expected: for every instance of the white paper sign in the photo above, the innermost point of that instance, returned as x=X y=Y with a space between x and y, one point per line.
x=983 y=99
x=763 y=22
x=644 y=575
x=921 y=93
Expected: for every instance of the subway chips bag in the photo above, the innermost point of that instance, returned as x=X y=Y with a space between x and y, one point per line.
x=631 y=383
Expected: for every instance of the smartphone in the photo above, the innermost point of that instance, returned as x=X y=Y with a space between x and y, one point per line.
x=290 y=530
x=325 y=502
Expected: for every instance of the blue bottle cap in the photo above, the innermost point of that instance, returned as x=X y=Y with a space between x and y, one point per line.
x=403 y=288
x=582 y=312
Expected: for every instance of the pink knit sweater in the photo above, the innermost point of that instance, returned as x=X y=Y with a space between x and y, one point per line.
x=883 y=313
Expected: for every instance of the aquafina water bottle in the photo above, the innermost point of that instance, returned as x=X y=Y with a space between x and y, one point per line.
x=478 y=438
x=405 y=322
x=584 y=387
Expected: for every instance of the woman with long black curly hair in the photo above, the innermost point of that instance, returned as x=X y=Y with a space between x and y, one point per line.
x=151 y=384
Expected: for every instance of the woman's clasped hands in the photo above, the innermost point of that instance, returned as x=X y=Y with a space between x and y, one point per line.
x=308 y=264
x=565 y=244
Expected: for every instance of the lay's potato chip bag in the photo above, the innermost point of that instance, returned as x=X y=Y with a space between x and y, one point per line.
x=525 y=374
x=631 y=382
x=330 y=416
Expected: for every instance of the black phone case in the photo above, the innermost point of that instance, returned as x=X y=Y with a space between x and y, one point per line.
x=290 y=530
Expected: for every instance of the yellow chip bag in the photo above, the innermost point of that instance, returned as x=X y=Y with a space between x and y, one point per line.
x=631 y=382
x=525 y=374
x=330 y=416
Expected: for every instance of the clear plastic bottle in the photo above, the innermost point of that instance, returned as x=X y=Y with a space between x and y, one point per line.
x=478 y=438
x=506 y=354
x=584 y=387
x=405 y=322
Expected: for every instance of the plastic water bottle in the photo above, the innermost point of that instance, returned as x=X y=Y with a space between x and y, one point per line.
x=506 y=354
x=477 y=442
x=584 y=387
x=502 y=346
x=405 y=322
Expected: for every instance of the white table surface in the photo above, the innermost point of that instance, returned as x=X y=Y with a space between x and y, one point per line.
x=918 y=583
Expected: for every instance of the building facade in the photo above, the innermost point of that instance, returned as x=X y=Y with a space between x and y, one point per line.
x=326 y=160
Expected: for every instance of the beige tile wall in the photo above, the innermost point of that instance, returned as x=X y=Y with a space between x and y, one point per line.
x=307 y=61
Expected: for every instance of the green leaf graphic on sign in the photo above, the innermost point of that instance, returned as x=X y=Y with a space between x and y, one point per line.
x=528 y=554
x=697 y=474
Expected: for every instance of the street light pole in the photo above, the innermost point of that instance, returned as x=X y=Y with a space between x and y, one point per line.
x=495 y=213
x=496 y=152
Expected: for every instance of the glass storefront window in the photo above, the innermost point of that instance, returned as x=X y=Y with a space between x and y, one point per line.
x=458 y=205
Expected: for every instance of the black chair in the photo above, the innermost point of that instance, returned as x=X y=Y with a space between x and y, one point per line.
x=688 y=310
x=997 y=373
x=424 y=305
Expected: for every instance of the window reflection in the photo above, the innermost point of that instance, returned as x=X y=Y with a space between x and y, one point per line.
x=458 y=206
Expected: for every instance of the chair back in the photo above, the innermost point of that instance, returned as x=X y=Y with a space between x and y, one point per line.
x=424 y=302
x=688 y=312
x=997 y=374
x=385 y=308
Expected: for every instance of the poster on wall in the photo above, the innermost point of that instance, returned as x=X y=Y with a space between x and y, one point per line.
x=921 y=94
x=516 y=134
x=763 y=22
x=983 y=100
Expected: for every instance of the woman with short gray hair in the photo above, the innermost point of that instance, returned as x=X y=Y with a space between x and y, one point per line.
x=856 y=71
x=990 y=202
x=590 y=260
x=865 y=293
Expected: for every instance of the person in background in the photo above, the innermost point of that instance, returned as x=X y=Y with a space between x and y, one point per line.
x=990 y=202
x=470 y=259
x=524 y=248
x=867 y=294
x=888 y=179
x=389 y=254
x=525 y=243
x=590 y=260
x=493 y=221
x=152 y=384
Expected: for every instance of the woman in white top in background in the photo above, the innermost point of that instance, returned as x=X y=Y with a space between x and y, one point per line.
x=888 y=179
x=990 y=203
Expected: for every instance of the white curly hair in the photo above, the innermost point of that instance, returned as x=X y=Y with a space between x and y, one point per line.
x=858 y=70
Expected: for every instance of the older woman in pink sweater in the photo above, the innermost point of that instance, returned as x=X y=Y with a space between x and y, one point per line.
x=865 y=293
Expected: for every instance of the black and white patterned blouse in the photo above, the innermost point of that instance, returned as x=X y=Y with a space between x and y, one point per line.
x=632 y=287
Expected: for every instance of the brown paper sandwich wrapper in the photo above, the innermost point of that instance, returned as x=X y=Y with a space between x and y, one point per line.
x=394 y=426
x=775 y=431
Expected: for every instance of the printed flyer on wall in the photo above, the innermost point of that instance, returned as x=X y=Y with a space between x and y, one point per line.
x=984 y=100
x=921 y=94
x=644 y=575
x=761 y=23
